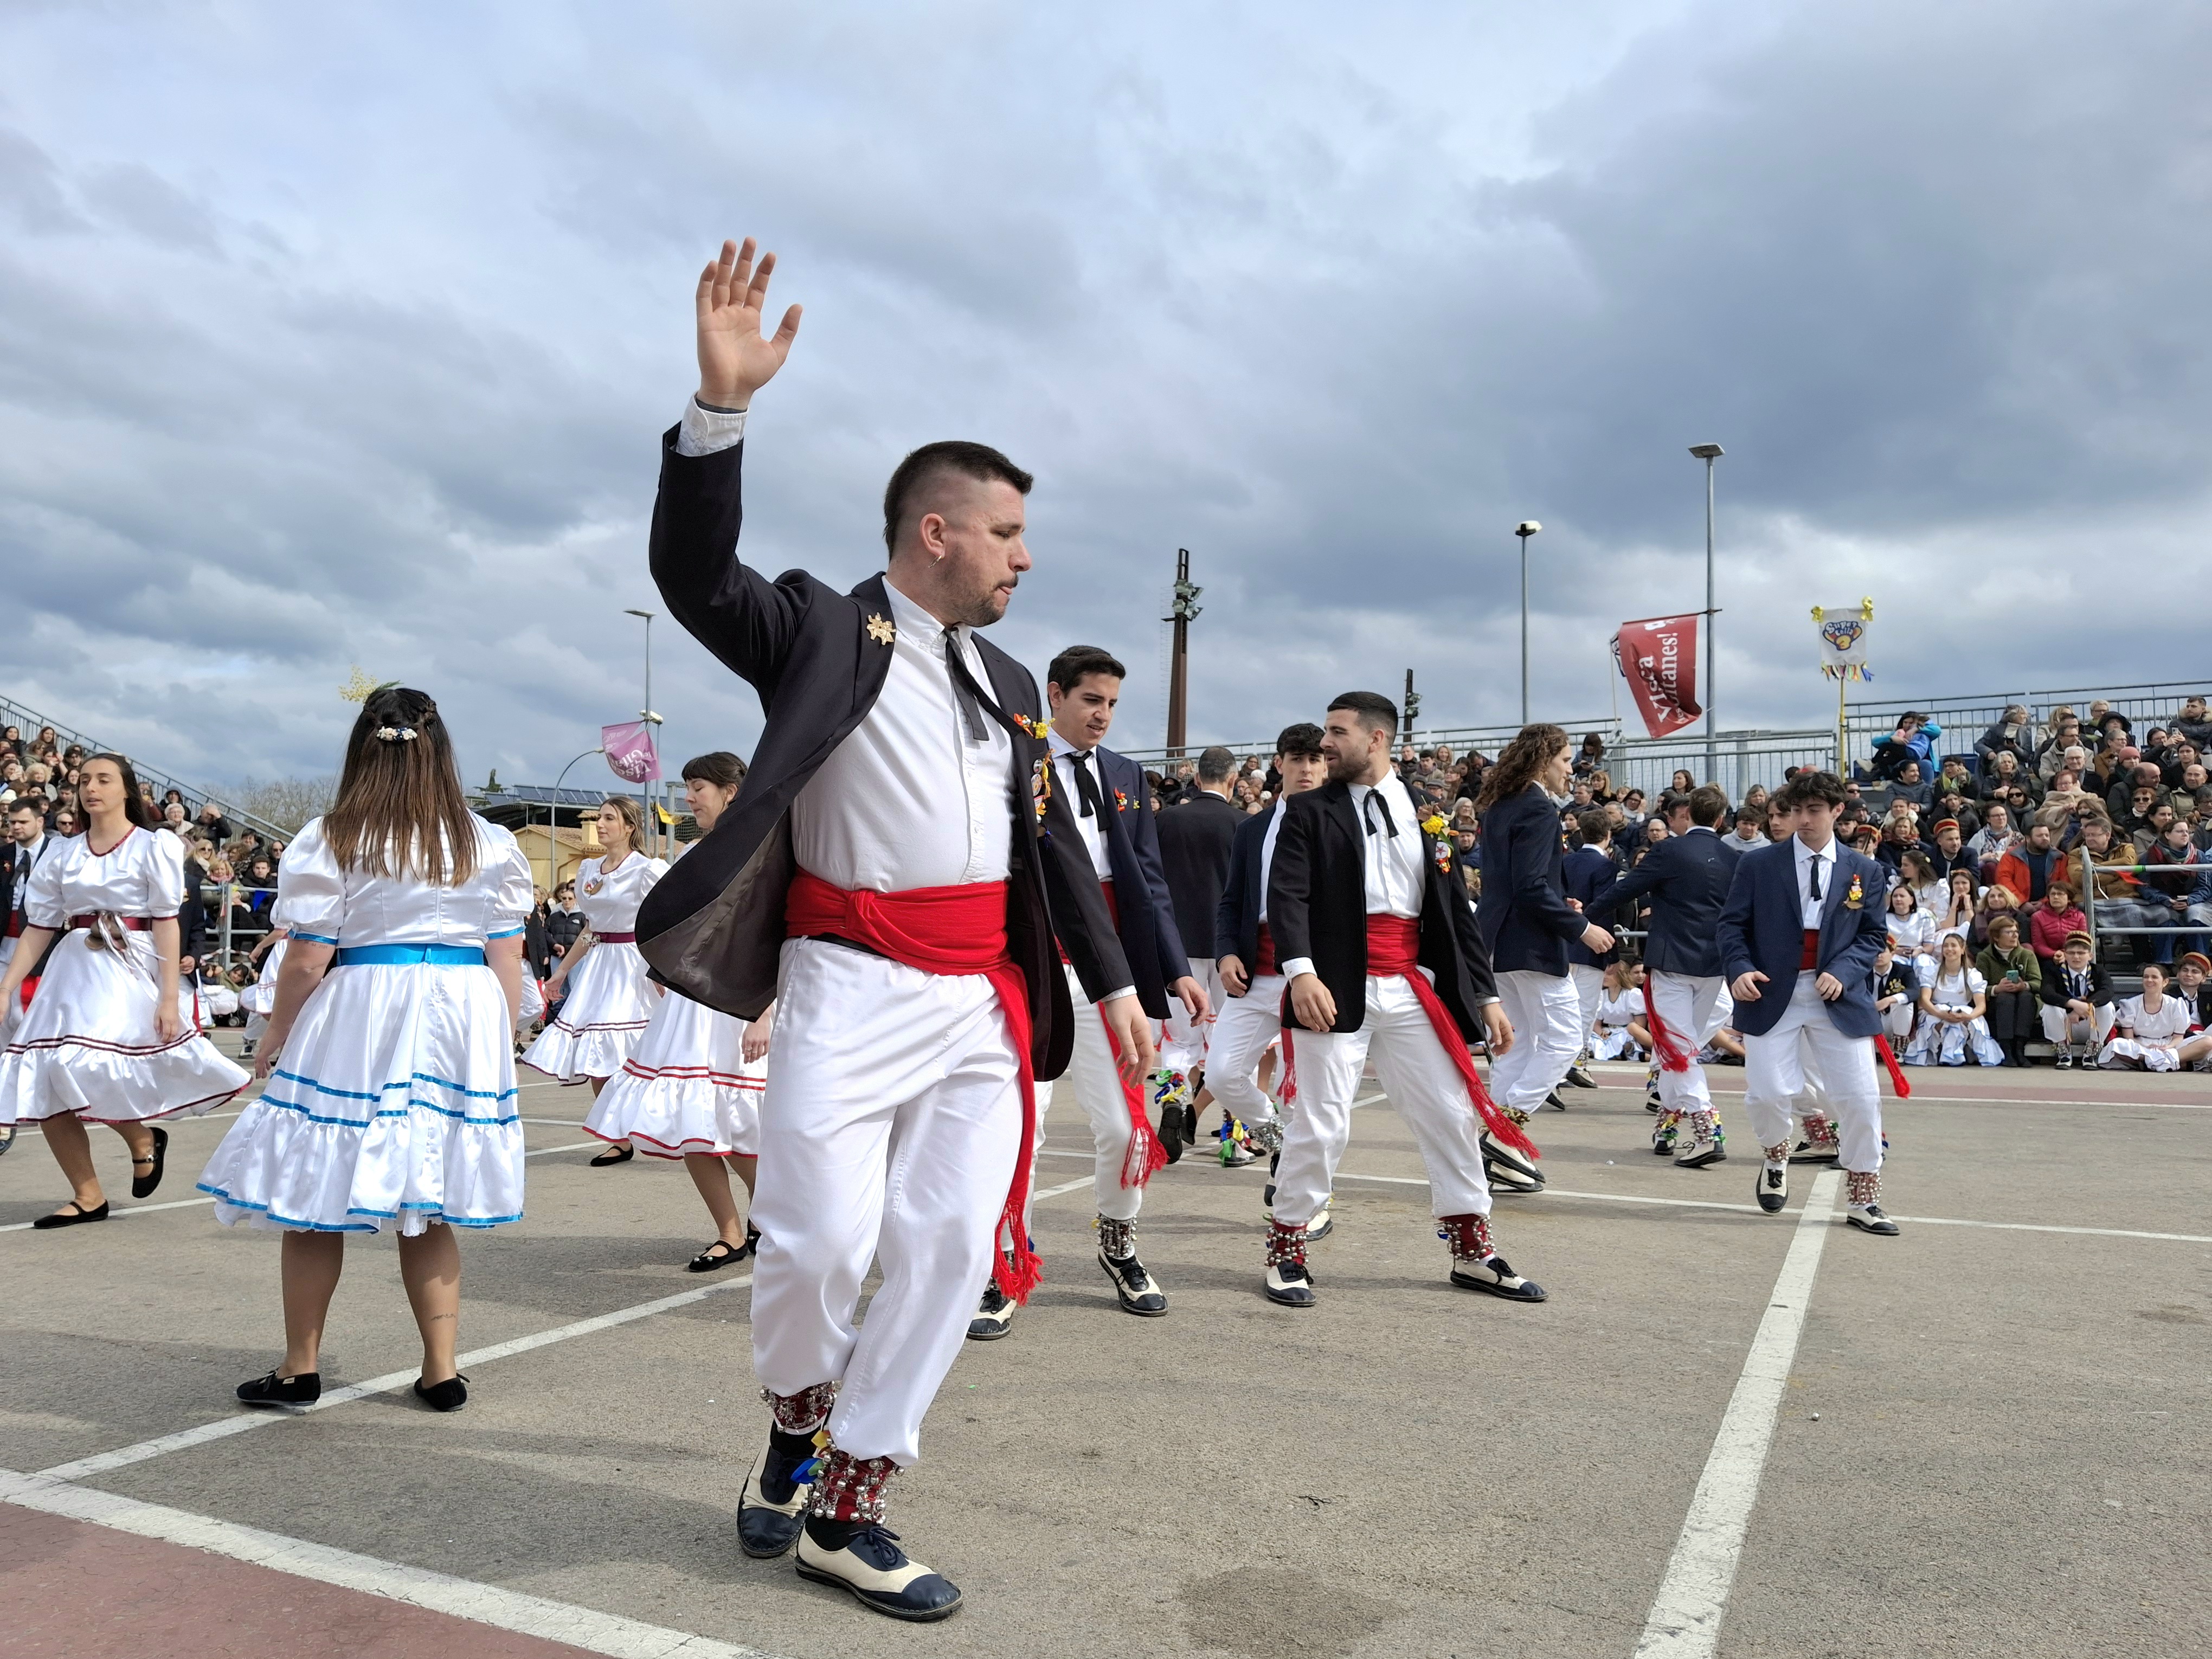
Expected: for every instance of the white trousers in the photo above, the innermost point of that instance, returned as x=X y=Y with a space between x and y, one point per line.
x=1897 y=1022
x=1097 y=1083
x=1775 y=1074
x=888 y=1133
x=1183 y=1047
x=1242 y=1032
x=1425 y=1085
x=2055 y=1022
x=1546 y=1038
x=1693 y=1007
x=1589 y=987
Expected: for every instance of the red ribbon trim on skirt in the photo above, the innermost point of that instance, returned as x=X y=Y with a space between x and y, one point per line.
x=1674 y=1054
x=944 y=930
x=1146 y=1156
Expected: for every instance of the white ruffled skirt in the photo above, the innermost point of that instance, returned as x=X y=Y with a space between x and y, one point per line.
x=687 y=1089
x=610 y=1002
x=1614 y=1043
x=2150 y=1056
x=90 y=1043
x=394 y=1102
x=1937 y=1042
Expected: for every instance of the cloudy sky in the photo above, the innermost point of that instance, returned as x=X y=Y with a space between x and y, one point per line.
x=345 y=336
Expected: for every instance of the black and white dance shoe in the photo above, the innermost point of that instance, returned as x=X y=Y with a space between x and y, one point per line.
x=7 y=1137
x=1508 y=1170
x=1139 y=1292
x=773 y=1507
x=1493 y=1277
x=864 y=1557
x=994 y=1314
x=1323 y=1222
x=1578 y=1077
x=1697 y=1151
x=304 y=1389
x=1816 y=1151
x=1772 y=1187
x=1553 y=1101
x=1289 y=1285
x=1870 y=1218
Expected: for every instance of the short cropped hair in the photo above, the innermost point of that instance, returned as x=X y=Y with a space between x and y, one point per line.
x=1593 y=825
x=1810 y=786
x=1376 y=711
x=1215 y=764
x=1069 y=667
x=1302 y=739
x=1708 y=805
x=970 y=460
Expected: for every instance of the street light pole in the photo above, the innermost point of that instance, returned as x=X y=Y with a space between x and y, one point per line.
x=1708 y=453
x=1525 y=529
x=553 y=826
x=653 y=821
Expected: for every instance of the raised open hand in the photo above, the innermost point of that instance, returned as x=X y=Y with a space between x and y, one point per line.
x=734 y=360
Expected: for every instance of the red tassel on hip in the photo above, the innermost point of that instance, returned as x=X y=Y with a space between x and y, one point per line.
x=1674 y=1054
x=1896 y=1083
x=1146 y=1156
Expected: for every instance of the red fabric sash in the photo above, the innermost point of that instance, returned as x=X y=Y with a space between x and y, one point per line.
x=129 y=924
x=616 y=938
x=1896 y=1083
x=944 y=930
x=1393 y=948
x=1146 y=1155
x=1674 y=1054
x=1809 y=957
x=1265 y=964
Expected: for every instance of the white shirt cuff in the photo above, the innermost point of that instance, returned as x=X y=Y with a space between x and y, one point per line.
x=1296 y=966
x=1126 y=991
x=702 y=431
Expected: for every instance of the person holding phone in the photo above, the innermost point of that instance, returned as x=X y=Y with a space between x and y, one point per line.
x=2014 y=977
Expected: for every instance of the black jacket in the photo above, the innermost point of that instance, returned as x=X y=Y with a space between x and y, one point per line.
x=1237 y=917
x=1585 y=874
x=1687 y=877
x=563 y=929
x=1523 y=916
x=2054 y=985
x=1196 y=835
x=1144 y=913
x=714 y=925
x=1317 y=908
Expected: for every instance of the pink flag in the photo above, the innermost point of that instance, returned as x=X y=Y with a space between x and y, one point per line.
x=630 y=753
x=1659 y=657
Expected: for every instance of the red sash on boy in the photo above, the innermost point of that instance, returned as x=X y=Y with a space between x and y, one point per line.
x=1674 y=1054
x=1146 y=1156
x=943 y=930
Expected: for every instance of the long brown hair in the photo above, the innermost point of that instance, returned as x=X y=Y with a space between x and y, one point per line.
x=399 y=809
x=136 y=809
x=1518 y=763
x=633 y=820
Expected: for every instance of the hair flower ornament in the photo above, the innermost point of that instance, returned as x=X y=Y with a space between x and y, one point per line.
x=396 y=733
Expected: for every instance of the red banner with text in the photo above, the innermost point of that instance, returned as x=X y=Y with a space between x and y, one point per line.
x=1658 y=656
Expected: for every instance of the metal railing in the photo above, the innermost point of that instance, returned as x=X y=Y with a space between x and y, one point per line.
x=30 y=720
x=2183 y=929
x=218 y=899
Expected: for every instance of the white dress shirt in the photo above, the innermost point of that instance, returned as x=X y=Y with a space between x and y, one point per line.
x=1267 y=849
x=1807 y=858
x=1392 y=866
x=1093 y=829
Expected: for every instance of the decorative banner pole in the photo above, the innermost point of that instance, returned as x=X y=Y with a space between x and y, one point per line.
x=1843 y=660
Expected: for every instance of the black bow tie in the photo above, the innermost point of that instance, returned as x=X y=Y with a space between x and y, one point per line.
x=1376 y=804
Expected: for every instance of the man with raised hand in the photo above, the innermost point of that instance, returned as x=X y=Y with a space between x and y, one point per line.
x=886 y=880
x=1798 y=937
x=1251 y=1011
x=1380 y=948
x=1112 y=807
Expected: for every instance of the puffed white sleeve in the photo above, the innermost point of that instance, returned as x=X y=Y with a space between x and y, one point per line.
x=311 y=889
x=43 y=906
x=1975 y=982
x=165 y=876
x=512 y=897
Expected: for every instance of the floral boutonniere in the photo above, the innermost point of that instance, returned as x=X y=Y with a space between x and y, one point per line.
x=1855 y=899
x=1435 y=824
x=1440 y=848
x=1040 y=786
x=1121 y=801
x=1038 y=728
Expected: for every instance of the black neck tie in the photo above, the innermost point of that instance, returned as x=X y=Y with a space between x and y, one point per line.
x=1376 y=804
x=1086 y=787
x=964 y=687
x=1814 y=865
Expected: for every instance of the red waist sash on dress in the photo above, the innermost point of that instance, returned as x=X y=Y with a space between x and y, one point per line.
x=943 y=930
x=134 y=924
x=616 y=938
x=1146 y=1155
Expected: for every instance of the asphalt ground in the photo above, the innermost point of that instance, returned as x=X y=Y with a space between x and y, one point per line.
x=1991 y=1438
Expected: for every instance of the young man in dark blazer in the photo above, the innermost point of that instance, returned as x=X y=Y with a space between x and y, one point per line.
x=886 y=870
x=1527 y=923
x=1359 y=901
x=1798 y=937
x=1112 y=807
x=1687 y=876
x=1251 y=1017
x=1196 y=831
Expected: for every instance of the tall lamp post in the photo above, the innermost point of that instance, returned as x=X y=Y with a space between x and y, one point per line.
x=652 y=823
x=1181 y=613
x=1525 y=529
x=553 y=826
x=1708 y=453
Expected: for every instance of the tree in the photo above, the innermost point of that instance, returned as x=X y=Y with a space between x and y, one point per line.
x=287 y=802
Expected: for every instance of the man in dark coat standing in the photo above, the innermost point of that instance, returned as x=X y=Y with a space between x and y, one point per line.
x=1195 y=834
x=1588 y=870
x=1360 y=901
x=884 y=878
x=1798 y=937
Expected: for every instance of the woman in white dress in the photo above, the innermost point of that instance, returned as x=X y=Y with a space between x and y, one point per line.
x=611 y=998
x=259 y=999
x=1911 y=929
x=1953 y=1013
x=106 y=1038
x=2148 y=1031
x=1620 y=1033
x=692 y=1090
x=392 y=1096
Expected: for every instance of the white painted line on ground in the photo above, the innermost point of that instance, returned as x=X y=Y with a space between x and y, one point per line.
x=1684 y=1621
x=436 y=1592
x=2032 y=1227
x=1065 y=1187
x=223 y=1427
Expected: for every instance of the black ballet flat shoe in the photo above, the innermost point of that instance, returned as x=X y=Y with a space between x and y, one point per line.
x=75 y=1216
x=142 y=1185
x=865 y=1559
x=304 y=1389
x=449 y=1396
x=612 y=1156
x=720 y=1253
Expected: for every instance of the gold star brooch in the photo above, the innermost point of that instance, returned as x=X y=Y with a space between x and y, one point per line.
x=881 y=630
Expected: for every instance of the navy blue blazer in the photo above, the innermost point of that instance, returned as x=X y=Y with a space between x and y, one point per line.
x=1236 y=919
x=1688 y=877
x=1145 y=912
x=1586 y=873
x=1523 y=916
x=1762 y=926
